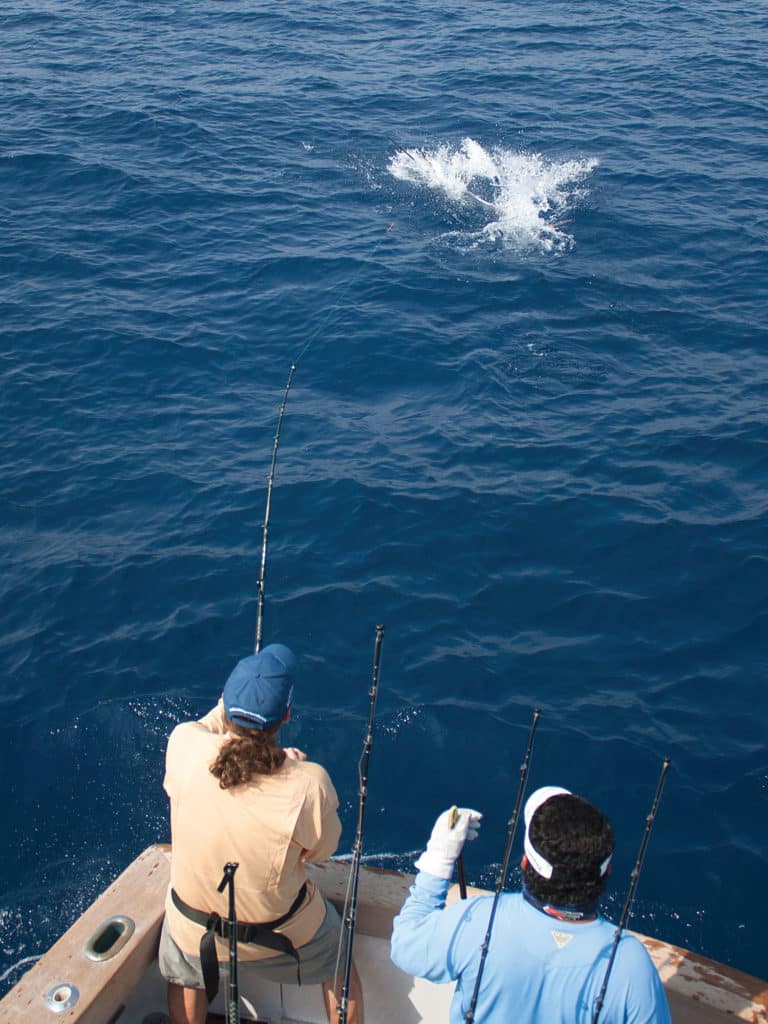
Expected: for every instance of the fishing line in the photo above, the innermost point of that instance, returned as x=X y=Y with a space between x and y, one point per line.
x=350 y=910
x=633 y=885
x=271 y=479
x=332 y=309
x=512 y=825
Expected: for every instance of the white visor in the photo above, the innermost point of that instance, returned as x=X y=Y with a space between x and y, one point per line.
x=539 y=863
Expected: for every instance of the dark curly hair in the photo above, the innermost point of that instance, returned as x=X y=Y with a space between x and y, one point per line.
x=575 y=838
x=246 y=754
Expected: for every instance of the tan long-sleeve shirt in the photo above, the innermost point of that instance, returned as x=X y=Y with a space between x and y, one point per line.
x=269 y=826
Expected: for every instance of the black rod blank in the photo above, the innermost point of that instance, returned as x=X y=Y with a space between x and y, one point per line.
x=233 y=993
x=357 y=850
x=512 y=826
x=632 y=886
x=265 y=531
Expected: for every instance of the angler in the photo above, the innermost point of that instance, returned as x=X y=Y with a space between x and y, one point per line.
x=550 y=945
x=238 y=796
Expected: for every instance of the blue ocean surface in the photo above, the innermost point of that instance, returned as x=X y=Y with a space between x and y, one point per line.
x=518 y=253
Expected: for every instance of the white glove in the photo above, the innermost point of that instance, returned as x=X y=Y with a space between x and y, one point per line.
x=447 y=841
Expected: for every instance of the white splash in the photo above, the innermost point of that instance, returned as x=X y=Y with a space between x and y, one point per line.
x=19 y=963
x=524 y=199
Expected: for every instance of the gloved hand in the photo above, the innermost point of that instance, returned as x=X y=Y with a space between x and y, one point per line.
x=446 y=843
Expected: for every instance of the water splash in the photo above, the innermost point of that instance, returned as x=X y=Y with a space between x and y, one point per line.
x=525 y=199
x=19 y=963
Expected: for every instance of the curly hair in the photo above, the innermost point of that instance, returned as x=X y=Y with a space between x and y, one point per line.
x=246 y=754
x=575 y=838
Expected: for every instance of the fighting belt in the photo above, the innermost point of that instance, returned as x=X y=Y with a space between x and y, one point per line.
x=256 y=934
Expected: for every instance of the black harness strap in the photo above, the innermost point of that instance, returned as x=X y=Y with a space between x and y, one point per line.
x=256 y=934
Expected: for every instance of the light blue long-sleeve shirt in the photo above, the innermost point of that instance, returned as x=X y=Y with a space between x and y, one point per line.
x=539 y=970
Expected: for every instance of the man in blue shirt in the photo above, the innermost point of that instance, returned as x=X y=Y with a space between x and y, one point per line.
x=549 y=945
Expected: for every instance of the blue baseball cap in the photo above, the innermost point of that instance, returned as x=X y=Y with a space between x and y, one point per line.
x=259 y=690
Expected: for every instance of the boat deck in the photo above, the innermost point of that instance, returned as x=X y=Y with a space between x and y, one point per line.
x=124 y=986
x=418 y=1000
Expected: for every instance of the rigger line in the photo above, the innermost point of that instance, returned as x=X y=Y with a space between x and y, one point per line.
x=633 y=885
x=350 y=908
x=470 y=1014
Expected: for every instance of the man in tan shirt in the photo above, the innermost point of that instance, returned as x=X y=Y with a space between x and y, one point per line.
x=237 y=796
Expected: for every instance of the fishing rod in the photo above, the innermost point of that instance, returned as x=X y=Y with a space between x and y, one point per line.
x=632 y=886
x=233 y=994
x=512 y=825
x=354 y=873
x=271 y=479
x=265 y=531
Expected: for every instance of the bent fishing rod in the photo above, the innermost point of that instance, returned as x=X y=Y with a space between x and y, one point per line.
x=271 y=479
x=265 y=531
x=632 y=886
x=469 y=1017
x=350 y=917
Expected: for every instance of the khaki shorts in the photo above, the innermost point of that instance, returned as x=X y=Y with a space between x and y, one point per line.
x=318 y=959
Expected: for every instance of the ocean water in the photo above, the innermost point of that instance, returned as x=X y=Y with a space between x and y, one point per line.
x=518 y=253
